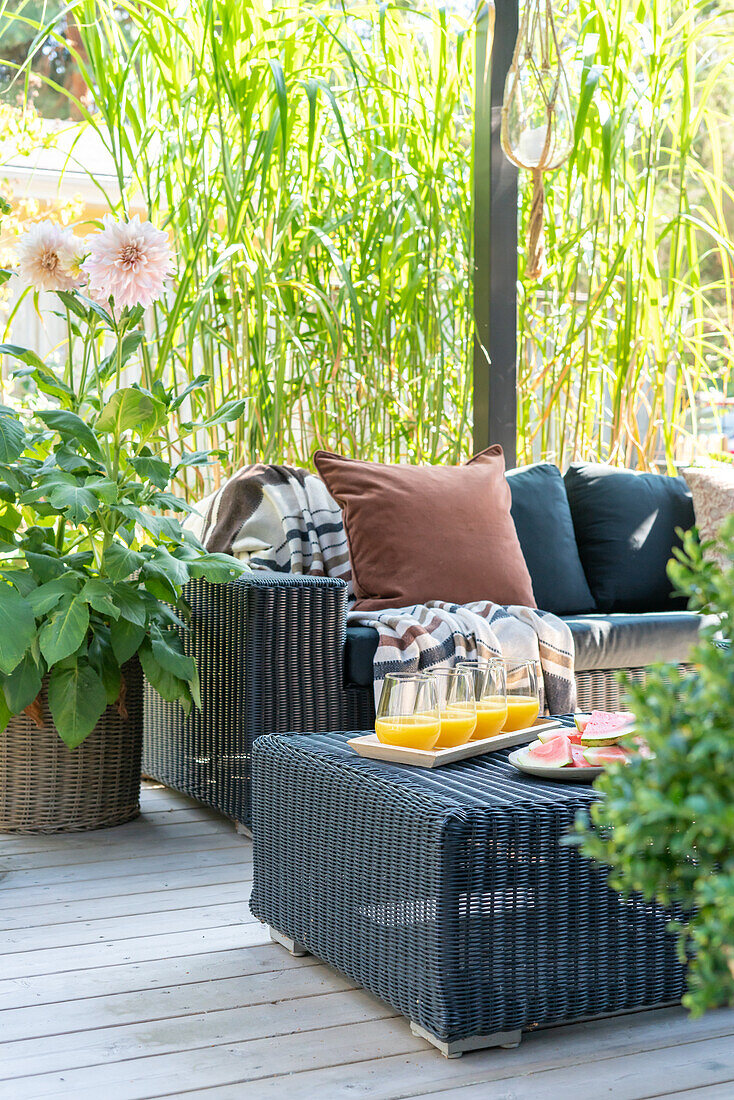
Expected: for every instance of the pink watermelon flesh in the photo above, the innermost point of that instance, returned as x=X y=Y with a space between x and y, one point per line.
x=550 y=735
x=605 y=754
x=555 y=753
x=577 y=755
x=603 y=728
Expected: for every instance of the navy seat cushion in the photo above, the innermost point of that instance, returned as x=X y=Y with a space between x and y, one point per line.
x=600 y=642
x=625 y=526
x=544 y=527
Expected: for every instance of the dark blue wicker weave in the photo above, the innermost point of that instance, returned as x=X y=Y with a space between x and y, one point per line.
x=446 y=892
x=269 y=651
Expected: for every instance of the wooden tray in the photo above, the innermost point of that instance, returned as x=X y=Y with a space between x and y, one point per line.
x=434 y=758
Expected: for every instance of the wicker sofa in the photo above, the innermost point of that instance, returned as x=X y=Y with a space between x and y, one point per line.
x=275 y=656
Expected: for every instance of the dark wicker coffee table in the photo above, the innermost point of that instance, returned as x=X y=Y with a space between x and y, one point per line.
x=447 y=893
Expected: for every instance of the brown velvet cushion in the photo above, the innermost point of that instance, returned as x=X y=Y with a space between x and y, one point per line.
x=420 y=533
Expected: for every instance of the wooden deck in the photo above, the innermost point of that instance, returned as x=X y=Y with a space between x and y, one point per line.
x=130 y=968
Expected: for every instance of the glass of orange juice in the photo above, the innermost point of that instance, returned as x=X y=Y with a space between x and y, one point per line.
x=456 y=705
x=407 y=714
x=491 y=696
x=523 y=699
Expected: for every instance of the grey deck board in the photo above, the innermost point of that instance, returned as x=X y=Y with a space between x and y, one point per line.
x=131 y=969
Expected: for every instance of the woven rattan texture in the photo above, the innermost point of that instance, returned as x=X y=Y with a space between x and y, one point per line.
x=269 y=650
x=600 y=689
x=47 y=788
x=448 y=893
x=269 y=647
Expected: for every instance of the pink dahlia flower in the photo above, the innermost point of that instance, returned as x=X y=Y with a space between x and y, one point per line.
x=128 y=262
x=50 y=257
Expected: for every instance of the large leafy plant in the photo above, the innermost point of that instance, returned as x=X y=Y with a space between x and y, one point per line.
x=93 y=555
x=666 y=825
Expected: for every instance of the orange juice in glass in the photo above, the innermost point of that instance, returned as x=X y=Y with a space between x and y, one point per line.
x=489 y=692
x=407 y=714
x=523 y=700
x=456 y=705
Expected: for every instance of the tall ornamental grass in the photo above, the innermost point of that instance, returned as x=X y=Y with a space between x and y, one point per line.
x=636 y=317
x=313 y=163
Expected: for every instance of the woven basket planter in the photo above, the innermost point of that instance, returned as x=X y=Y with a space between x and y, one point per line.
x=47 y=788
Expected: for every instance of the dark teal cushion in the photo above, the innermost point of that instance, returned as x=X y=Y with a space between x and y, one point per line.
x=359 y=655
x=625 y=527
x=545 y=529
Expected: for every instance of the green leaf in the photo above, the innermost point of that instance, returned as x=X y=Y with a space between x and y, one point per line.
x=23 y=355
x=72 y=303
x=130 y=344
x=77 y=700
x=159 y=585
x=104 y=488
x=170 y=687
x=126 y=409
x=43 y=567
x=45 y=597
x=98 y=594
x=126 y=638
x=70 y=426
x=172 y=503
x=217 y=568
x=154 y=525
x=118 y=562
x=17 y=627
x=65 y=493
x=23 y=684
x=46 y=381
x=173 y=659
x=22 y=579
x=12 y=438
x=130 y=603
x=161 y=561
x=229 y=411
x=5 y=712
x=152 y=469
x=65 y=630
x=195 y=384
x=103 y=661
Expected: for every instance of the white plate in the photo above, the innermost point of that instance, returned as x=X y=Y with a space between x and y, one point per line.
x=565 y=775
x=370 y=746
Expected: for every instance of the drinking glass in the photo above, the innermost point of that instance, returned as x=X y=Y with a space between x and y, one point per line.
x=456 y=704
x=490 y=692
x=407 y=714
x=523 y=700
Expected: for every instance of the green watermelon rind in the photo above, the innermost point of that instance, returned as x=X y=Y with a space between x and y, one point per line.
x=598 y=763
x=599 y=740
x=602 y=740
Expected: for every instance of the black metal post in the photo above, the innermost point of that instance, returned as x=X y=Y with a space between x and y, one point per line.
x=495 y=241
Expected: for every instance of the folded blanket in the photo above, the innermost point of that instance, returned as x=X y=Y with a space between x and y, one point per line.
x=284 y=519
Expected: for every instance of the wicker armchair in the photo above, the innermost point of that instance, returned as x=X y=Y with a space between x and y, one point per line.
x=270 y=649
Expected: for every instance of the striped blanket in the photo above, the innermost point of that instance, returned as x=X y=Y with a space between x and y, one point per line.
x=284 y=519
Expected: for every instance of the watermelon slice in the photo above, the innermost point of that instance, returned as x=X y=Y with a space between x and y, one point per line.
x=605 y=754
x=577 y=755
x=549 y=735
x=603 y=728
x=555 y=753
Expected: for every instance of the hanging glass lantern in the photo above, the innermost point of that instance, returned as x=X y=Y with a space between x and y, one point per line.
x=537 y=120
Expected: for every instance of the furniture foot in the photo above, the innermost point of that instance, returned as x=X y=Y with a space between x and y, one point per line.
x=454 y=1048
x=243 y=830
x=292 y=946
